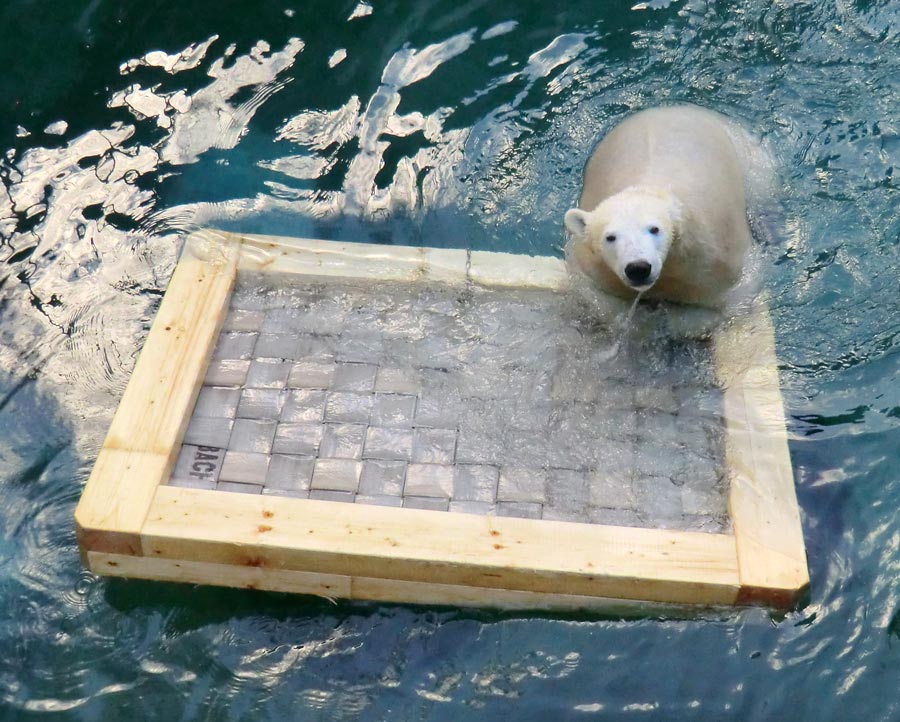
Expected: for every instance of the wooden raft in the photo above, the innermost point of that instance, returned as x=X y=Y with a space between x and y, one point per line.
x=130 y=524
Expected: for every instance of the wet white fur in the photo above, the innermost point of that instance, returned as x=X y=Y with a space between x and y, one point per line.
x=687 y=172
x=633 y=225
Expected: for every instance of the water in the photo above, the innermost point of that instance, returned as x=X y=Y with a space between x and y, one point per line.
x=624 y=324
x=459 y=126
x=475 y=399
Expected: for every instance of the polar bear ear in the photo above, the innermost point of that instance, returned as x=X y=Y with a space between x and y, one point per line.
x=576 y=221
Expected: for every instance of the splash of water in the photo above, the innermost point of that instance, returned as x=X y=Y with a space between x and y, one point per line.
x=624 y=324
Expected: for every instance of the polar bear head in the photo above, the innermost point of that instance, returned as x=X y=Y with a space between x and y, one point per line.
x=631 y=231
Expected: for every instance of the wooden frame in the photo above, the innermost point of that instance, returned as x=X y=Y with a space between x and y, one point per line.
x=129 y=523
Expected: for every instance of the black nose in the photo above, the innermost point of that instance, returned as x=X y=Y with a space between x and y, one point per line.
x=638 y=272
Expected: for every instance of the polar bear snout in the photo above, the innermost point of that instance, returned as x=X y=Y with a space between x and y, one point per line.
x=638 y=273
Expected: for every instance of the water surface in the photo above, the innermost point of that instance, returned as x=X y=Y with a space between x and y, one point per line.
x=460 y=126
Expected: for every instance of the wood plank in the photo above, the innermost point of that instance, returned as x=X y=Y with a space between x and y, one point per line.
x=488 y=268
x=311 y=257
x=306 y=256
x=763 y=501
x=221 y=575
x=142 y=443
x=439 y=547
x=116 y=498
x=358 y=588
x=401 y=592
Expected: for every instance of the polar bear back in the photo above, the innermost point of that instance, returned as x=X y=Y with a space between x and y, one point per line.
x=694 y=153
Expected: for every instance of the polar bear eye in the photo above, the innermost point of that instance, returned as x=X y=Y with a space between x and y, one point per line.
x=654 y=230
x=611 y=238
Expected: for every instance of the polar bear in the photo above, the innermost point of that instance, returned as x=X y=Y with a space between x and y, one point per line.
x=663 y=210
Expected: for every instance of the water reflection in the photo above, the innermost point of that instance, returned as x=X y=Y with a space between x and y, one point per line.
x=82 y=222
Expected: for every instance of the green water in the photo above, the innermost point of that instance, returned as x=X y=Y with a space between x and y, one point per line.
x=454 y=124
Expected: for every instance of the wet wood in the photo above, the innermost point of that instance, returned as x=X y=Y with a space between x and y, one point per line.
x=762 y=498
x=332 y=586
x=143 y=440
x=426 y=546
x=130 y=524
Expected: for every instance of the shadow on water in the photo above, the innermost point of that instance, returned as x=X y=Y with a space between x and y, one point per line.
x=196 y=606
